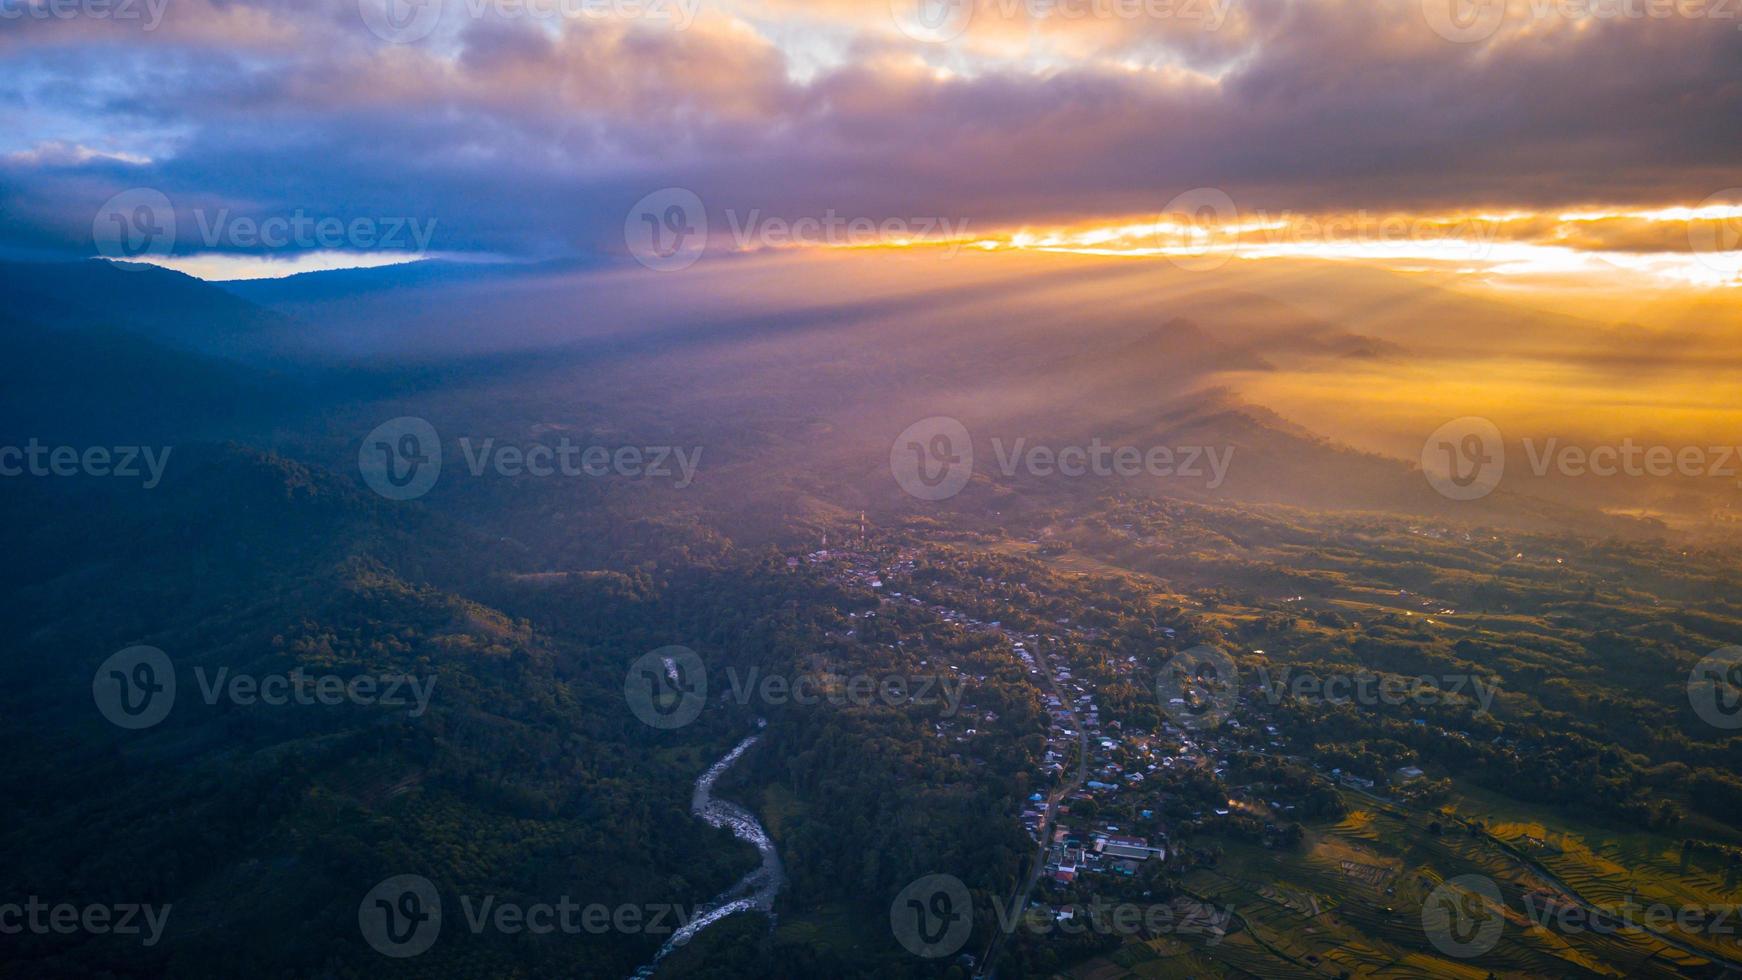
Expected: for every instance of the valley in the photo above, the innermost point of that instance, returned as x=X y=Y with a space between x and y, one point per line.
x=1396 y=697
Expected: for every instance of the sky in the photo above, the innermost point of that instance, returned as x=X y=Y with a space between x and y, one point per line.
x=1547 y=139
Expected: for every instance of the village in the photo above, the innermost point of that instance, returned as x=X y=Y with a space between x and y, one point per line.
x=1093 y=773
x=1114 y=809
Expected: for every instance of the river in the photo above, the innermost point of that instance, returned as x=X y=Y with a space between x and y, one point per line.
x=755 y=891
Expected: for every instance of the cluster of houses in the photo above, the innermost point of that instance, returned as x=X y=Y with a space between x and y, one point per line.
x=1075 y=718
x=1074 y=852
x=856 y=566
x=1117 y=762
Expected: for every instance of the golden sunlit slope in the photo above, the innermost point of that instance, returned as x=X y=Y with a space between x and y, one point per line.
x=1326 y=378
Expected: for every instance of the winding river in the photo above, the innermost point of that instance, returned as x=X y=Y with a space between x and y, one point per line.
x=755 y=891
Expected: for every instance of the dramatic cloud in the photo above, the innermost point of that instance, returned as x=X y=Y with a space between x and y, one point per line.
x=529 y=127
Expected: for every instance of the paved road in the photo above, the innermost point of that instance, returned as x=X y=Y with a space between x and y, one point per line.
x=1019 y=899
